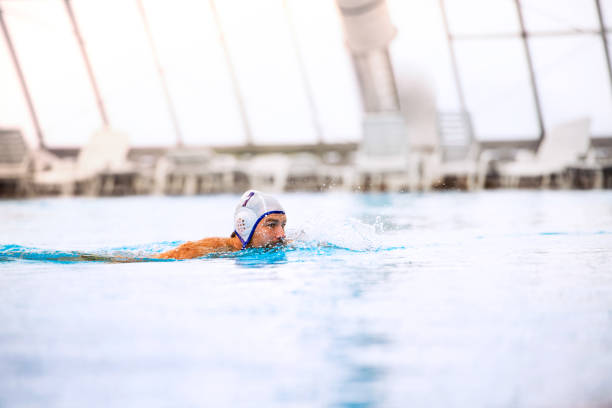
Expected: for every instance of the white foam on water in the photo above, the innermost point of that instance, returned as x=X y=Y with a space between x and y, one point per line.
x=349 y=233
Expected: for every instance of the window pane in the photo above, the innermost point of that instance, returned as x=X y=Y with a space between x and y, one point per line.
x=329 y=68
x=420 y=54
x=13 y=109
x=54 y=70
x=573 y=80
x=125 y=71
x=482 y=16
x=560 y=15
x=260 y=44
x=497 y=89
x=188 y=45
x=606 y=6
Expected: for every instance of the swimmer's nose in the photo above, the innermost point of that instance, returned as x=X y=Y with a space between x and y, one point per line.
x=280 y=233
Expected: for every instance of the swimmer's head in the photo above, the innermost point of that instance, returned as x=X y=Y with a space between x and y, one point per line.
x=259 y=220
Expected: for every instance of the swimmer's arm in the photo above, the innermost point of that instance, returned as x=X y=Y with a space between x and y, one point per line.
x=195 y=249
x=102 y=258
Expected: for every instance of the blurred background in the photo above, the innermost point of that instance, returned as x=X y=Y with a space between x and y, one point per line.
x=207 y=96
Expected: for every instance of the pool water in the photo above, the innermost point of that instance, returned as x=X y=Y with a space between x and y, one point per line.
x=492 y=299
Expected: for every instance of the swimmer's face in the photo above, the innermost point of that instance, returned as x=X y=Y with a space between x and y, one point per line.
x=270 y=231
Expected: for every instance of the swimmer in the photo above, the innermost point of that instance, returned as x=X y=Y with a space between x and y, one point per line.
x=259 y=222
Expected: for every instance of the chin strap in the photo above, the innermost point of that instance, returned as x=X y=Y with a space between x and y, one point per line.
x=244 y=244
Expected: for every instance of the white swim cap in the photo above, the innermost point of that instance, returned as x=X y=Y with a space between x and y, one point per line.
x=252 y=208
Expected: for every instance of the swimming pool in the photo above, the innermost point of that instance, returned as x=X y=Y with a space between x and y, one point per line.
x=490 y=299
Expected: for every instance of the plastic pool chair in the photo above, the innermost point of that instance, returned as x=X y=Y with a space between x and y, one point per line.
x=564 y=145
x=460 y=152
x=105 y=152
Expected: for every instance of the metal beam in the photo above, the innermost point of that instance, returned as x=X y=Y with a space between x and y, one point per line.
x=532 y=78
x=497 y=36
x=232 y=72
x=304 y=75
x=604 y=39
x=162 y=76
x=22 y=81
x=90 y=73
x=455 y=66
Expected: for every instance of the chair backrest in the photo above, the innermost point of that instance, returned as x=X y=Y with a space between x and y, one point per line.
x=105 y=150
x=14 y=153
x=268 y=164
x=566 y=142
x=304 y=164
x=268 y=171
x=456 y=135
x=190 y=160
x=384 y=135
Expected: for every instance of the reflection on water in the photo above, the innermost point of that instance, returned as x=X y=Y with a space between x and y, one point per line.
x=361 y=383
x=436 y=300
x=261 y=258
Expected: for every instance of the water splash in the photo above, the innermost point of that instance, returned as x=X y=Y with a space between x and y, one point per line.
x=351 y=233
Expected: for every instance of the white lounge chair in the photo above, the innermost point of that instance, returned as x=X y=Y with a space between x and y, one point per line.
x=105 y=152
x=305 y=173
x=565 y=145
x=269 y=172
x=222 y=175
x=382 y=161
x=460 y=152
x=180 y=171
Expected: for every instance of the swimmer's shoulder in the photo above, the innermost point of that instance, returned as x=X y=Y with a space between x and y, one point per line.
x=195 y=249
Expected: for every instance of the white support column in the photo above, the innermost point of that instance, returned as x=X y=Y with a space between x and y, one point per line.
x=383 y=155
x=368 y=32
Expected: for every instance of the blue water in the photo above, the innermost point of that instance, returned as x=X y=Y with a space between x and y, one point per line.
x=434 y=300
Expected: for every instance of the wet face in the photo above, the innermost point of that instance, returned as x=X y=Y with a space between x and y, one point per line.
x=270 y=231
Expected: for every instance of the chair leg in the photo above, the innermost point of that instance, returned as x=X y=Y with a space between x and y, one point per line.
x=598 y=179
x=67 y=189
x=515 y=181
x=565 y=180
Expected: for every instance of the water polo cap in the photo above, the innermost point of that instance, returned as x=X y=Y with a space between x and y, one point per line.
x=252 y=208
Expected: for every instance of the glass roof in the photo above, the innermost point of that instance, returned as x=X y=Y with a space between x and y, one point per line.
x=287 y=92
